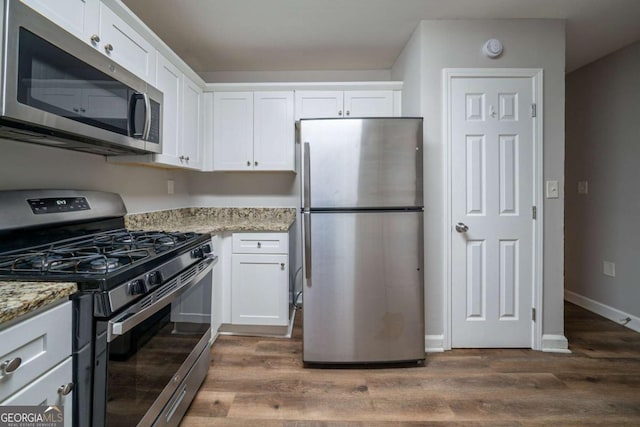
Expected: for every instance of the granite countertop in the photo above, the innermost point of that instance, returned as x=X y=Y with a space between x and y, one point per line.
x=20 y=298
x=214 y=220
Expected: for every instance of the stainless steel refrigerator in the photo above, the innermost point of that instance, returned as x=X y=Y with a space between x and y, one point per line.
x=362 y=216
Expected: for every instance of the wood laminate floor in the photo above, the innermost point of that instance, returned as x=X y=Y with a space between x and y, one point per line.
x=261 y=382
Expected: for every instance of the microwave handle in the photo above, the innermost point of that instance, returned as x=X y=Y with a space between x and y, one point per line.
x=133 y=104
x=147 y=117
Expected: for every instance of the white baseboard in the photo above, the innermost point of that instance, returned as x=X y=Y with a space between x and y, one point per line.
x=604 y=310
x=555 y=344
x=434 y=343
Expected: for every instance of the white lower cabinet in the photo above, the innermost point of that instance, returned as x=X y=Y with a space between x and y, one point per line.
x=36 y=363
x=260 y=279
x=49 y=390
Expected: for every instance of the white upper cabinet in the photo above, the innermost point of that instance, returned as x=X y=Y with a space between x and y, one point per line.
x=80 y=17
x=368 y=103
x=192 y=124
x=319 y=104
x=169 y=82
x=354 y=103
x=253 y=131
x=125 y=46
x=233 y=131
x=273 y=131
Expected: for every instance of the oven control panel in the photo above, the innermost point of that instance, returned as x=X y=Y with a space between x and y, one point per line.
x=58 y=204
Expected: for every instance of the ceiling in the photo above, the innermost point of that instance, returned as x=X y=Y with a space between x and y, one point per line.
x=301 y=35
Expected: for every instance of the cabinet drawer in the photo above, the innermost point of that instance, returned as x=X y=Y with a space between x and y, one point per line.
x=44 y=391
x=260 y=243
x=41 y=342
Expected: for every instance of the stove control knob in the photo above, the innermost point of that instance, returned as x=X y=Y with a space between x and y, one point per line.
x=136 y=287
x=197 y=253
x=154 y=278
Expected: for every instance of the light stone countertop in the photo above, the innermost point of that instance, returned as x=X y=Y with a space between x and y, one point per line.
x=20 y=298
x=214 y=220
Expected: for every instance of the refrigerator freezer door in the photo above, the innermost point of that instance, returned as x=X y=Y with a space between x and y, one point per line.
x=362 y=163
x=364 y=299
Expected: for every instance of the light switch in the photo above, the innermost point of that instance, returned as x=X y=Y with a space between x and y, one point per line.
x=609 y=268
x=583 y=187
x=552 y=190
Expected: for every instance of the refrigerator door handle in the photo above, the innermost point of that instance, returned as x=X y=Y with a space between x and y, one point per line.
x=306 y=220
x=307 y=176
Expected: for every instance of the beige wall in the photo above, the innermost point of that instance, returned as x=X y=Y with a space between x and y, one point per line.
x=458 y=44
x=603 y=148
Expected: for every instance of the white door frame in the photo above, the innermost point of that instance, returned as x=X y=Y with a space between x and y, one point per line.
x=536 y=75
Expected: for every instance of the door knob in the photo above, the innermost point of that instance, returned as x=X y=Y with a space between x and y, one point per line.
x=461 y=227
x=108 y=48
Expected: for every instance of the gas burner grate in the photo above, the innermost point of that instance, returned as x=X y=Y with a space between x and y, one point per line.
x=94 y=255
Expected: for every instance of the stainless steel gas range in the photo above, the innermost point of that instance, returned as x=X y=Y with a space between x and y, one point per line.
x=142 y=316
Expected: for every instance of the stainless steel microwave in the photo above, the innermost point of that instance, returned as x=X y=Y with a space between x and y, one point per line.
x=59 y=91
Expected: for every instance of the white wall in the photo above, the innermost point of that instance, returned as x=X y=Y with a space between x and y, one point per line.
x=603 y=148
x=408 y=69
x=30 y=166
x=458 y=44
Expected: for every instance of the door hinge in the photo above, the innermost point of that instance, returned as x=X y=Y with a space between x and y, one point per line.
x=534 y=212
x=533 y=314
x=534 y=111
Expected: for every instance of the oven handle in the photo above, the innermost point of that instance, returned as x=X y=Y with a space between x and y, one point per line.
x=130 y=319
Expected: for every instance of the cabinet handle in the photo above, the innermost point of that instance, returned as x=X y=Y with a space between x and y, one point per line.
x=10 y=366
x=95 y=39
x=248 y=163
x=75 y=110
x=181 y=157
x=340 y=112
x=108 y=48
x=256 y=163
x=259 y=245
x=186 y=158
x=65 y=389
x=83 y=110
x=282 y=266
x=348 y=112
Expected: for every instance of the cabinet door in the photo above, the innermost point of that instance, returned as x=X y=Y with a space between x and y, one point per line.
x=44 y=391
x=125 y=46
x=79 y=17
x=169 y=82
x=233 y=131
x=191 y=124
x=318 y=104
x=41 y=342
x=259 y=289
x=368 y=103
x=273 y=131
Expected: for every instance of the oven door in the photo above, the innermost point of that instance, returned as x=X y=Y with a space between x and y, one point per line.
x=147 y=352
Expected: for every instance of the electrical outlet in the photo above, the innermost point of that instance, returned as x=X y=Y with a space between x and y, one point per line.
x=609 y=268
x=583 y=187
x=170 y=186
x=552 y=190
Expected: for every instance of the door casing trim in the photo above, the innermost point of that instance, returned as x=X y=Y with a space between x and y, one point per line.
x=536 y=76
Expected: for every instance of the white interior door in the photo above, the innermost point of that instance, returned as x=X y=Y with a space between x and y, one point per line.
x=492 y=178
